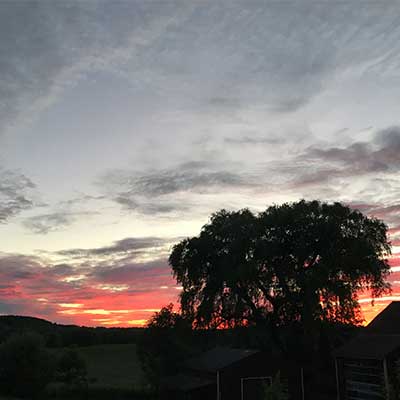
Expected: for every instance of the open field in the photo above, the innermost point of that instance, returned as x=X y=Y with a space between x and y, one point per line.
x=113 y=373
x=113 y=365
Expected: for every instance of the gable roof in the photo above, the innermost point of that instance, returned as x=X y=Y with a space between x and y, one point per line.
x=387 y=321
x=369 y=346
x=218 y=358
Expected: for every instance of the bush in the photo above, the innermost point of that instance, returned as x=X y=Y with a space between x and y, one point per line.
x=26 y=366
x=71 y=368
x=277 y=390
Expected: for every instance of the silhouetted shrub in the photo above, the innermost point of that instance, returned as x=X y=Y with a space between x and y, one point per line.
x=71 y=368
x=26 y=366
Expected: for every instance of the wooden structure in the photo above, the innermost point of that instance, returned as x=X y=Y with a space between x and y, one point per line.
x=225 y=374
x=367 y=367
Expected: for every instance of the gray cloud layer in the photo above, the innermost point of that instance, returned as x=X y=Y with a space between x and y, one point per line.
x=225 y=54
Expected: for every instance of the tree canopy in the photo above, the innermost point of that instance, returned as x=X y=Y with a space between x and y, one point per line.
x=293 y=263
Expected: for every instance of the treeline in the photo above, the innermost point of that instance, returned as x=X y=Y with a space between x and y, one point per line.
x=57 y=335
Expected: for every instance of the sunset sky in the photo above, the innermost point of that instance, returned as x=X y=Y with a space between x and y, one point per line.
x=124 y=124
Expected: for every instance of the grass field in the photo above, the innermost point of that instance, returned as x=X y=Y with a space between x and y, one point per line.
x=114 y=373
x=113 y=365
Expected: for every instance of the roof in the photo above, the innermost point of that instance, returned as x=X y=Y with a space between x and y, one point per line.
x=218 y=358
x=387 y=321
x=186 y=382
x=369 y=346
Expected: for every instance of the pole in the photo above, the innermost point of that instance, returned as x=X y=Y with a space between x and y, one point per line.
x=218 y=391
x=386 y=375
x=337 y=380
x=302 y=383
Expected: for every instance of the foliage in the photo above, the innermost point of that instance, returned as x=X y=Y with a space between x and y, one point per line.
x=277 y=390
x=26 y=367
x=294 y=263
x=166 y=318
x=166 y=342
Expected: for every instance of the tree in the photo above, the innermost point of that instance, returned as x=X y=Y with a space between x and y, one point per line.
x=26 y=366
x=165 y=343
x=297 y=263
x=166 y=318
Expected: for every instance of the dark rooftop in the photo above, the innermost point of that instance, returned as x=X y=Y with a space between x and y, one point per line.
x=218 y=358
x=369 y=346
x=186 y=382
x=387 y=321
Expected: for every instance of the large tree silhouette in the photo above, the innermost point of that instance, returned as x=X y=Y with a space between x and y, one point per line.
x=297 y=263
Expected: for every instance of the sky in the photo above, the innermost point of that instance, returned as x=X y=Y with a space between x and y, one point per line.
x=125 y=124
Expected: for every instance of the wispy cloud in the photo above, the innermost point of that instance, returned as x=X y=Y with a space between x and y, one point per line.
x=380 y=155
x=127 y=246
x=136 y=190
x=49 y=46
x=54 y=221
x=16 y=194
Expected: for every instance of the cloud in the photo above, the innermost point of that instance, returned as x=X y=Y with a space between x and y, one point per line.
x=63 y=213
x=76 y=292
x=382 y=155
x=54 y=221
x=16 y=194
x=202 y=50
x=319 y=166
x=254 y=140
x=48 y=46
x=135 y=246
x=389 y=213
x=137 y=190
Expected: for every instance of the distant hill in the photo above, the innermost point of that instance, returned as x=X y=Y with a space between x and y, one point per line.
x=57 y=335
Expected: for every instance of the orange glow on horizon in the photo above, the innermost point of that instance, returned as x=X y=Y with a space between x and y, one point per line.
x=127 y=297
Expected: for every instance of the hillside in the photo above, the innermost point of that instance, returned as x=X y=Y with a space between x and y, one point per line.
x=57 y=335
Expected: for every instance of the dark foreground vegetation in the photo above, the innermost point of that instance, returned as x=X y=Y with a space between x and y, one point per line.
x=284 y=281
x=133 y=370
x=30 y=369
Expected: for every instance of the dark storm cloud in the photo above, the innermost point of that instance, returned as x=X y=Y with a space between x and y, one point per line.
x=46 y=223
x=15 y=194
